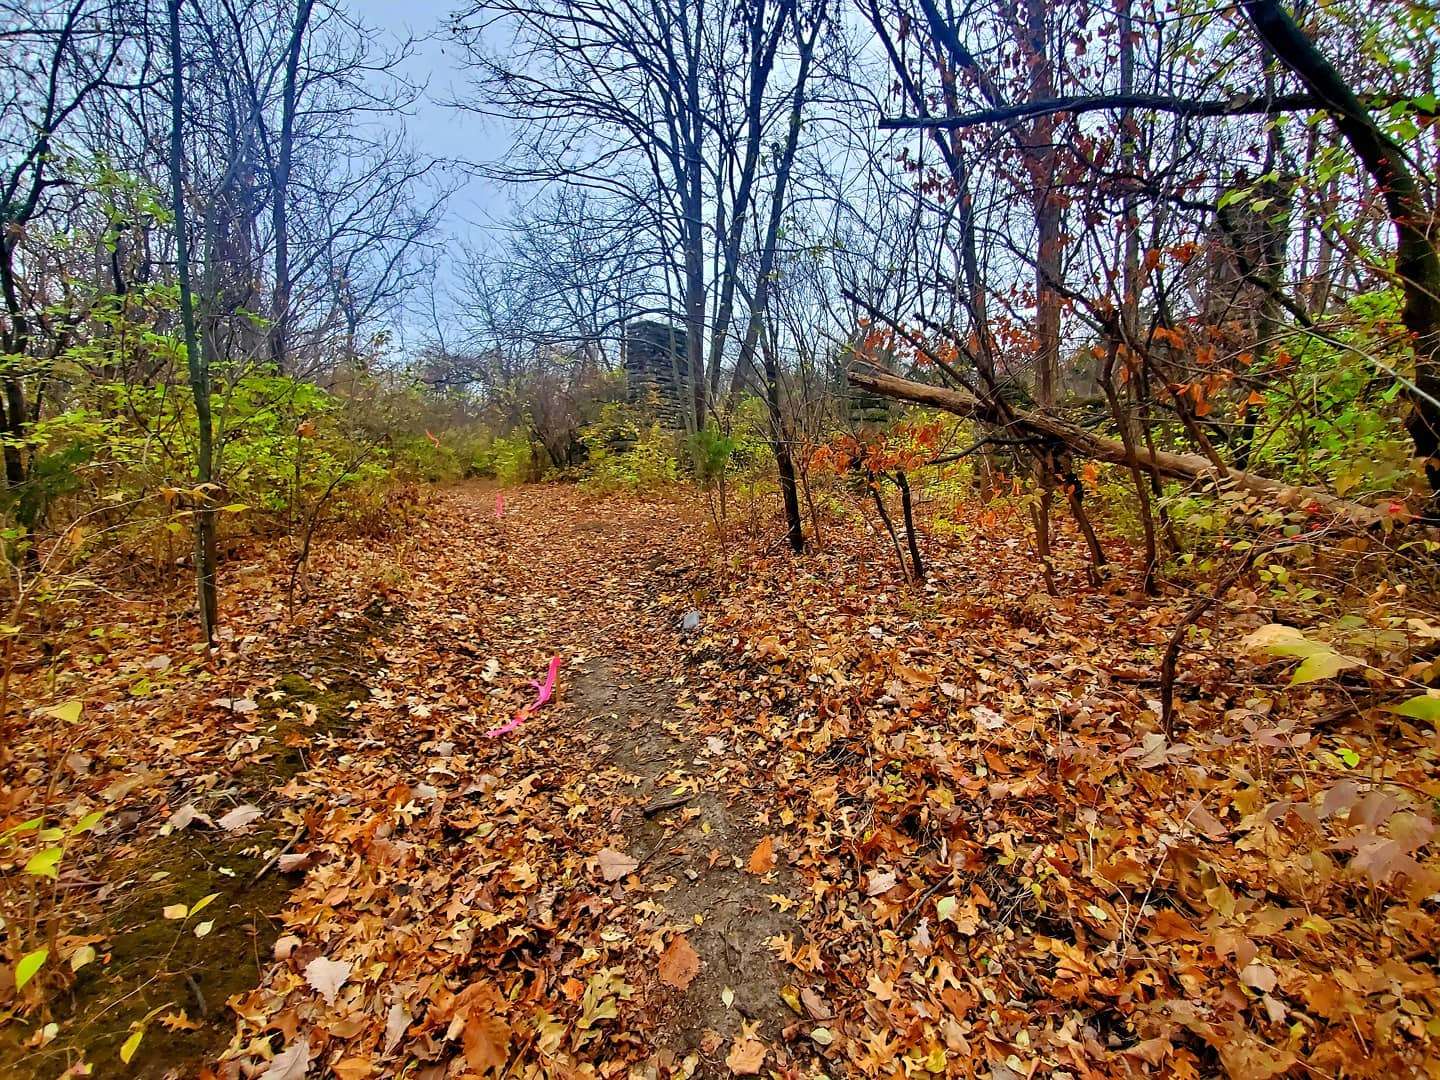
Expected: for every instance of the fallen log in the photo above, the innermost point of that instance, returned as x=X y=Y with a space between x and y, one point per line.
x=1039 y=425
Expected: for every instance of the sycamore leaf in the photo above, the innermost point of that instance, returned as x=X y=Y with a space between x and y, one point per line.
x=615 y=865
x=327 y=976
x=27 y=967
x=291 y=1064
x=487 y=1043
x=745 y=1057
x=679 y=963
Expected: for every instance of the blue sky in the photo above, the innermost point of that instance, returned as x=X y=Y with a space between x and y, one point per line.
x=436 y=129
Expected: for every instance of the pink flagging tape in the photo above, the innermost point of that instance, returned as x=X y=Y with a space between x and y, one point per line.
x=499 y=505
x=543 y=692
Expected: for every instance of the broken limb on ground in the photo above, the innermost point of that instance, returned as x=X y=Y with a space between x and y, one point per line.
x=836 y=825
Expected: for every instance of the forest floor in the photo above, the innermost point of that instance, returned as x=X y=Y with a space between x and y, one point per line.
x=781 y=816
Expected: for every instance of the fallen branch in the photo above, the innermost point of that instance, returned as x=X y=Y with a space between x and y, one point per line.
x=1189 y=467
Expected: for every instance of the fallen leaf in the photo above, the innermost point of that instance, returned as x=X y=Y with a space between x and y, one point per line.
x=291 y=1064
x=615 y=865
x=327 y=976
x=487 y=1043
x=396 y=1021
x=815 y=1005
x=241 y=816
x=880 y=882
x=745 y=1058
x=762 y=859
x=1258 y=976
x=679 y=963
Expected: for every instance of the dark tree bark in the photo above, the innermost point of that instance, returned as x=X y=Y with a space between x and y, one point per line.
x=204 y=510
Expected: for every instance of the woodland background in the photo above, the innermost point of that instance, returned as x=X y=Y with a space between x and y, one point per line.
x=1152 y=291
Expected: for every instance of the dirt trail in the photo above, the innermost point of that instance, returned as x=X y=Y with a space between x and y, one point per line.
x=692 y=833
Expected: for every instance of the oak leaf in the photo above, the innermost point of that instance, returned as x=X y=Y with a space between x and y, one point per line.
x=679 y=964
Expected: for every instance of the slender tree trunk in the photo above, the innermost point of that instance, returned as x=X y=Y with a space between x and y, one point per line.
x=907 y=511
x=280 y=210
x=198 y=370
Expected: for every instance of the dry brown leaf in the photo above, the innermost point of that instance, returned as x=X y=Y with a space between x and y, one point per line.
x=615 y=865
x=291 y=1064
x=353 y=1068
x=679 y=964
x=745 y=1057
x=762 y=859
x=327 y=976
x=487 y=1043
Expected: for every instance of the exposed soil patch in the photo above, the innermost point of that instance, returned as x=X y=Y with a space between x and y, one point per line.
x=693 y=843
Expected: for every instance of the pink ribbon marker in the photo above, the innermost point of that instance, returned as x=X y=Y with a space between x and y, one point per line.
x=543 y=693
x=499 y=505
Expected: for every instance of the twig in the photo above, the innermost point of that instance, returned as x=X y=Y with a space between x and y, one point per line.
x=274 y=859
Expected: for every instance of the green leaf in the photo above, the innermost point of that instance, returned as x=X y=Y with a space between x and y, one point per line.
x=27 y=967
x=45 y=863
x=203 y=903
x=130 y=1045
x=1348 y=756
x=1324 y=665
x=24 y=826
x=1420 y=707
x=88 y=822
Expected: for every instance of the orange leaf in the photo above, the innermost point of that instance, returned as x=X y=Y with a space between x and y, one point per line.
x=745 y=1057
x=487 y=1043
x=762 y=859
x=679 y=964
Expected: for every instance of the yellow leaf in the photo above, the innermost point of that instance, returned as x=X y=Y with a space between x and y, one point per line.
x=67 y=711
x=128 y=1048
x=203 y=903
x=175 y=911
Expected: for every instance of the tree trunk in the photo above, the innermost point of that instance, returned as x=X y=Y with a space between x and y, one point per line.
x=279 y=210
x=198 y=370
x=1417 y=260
